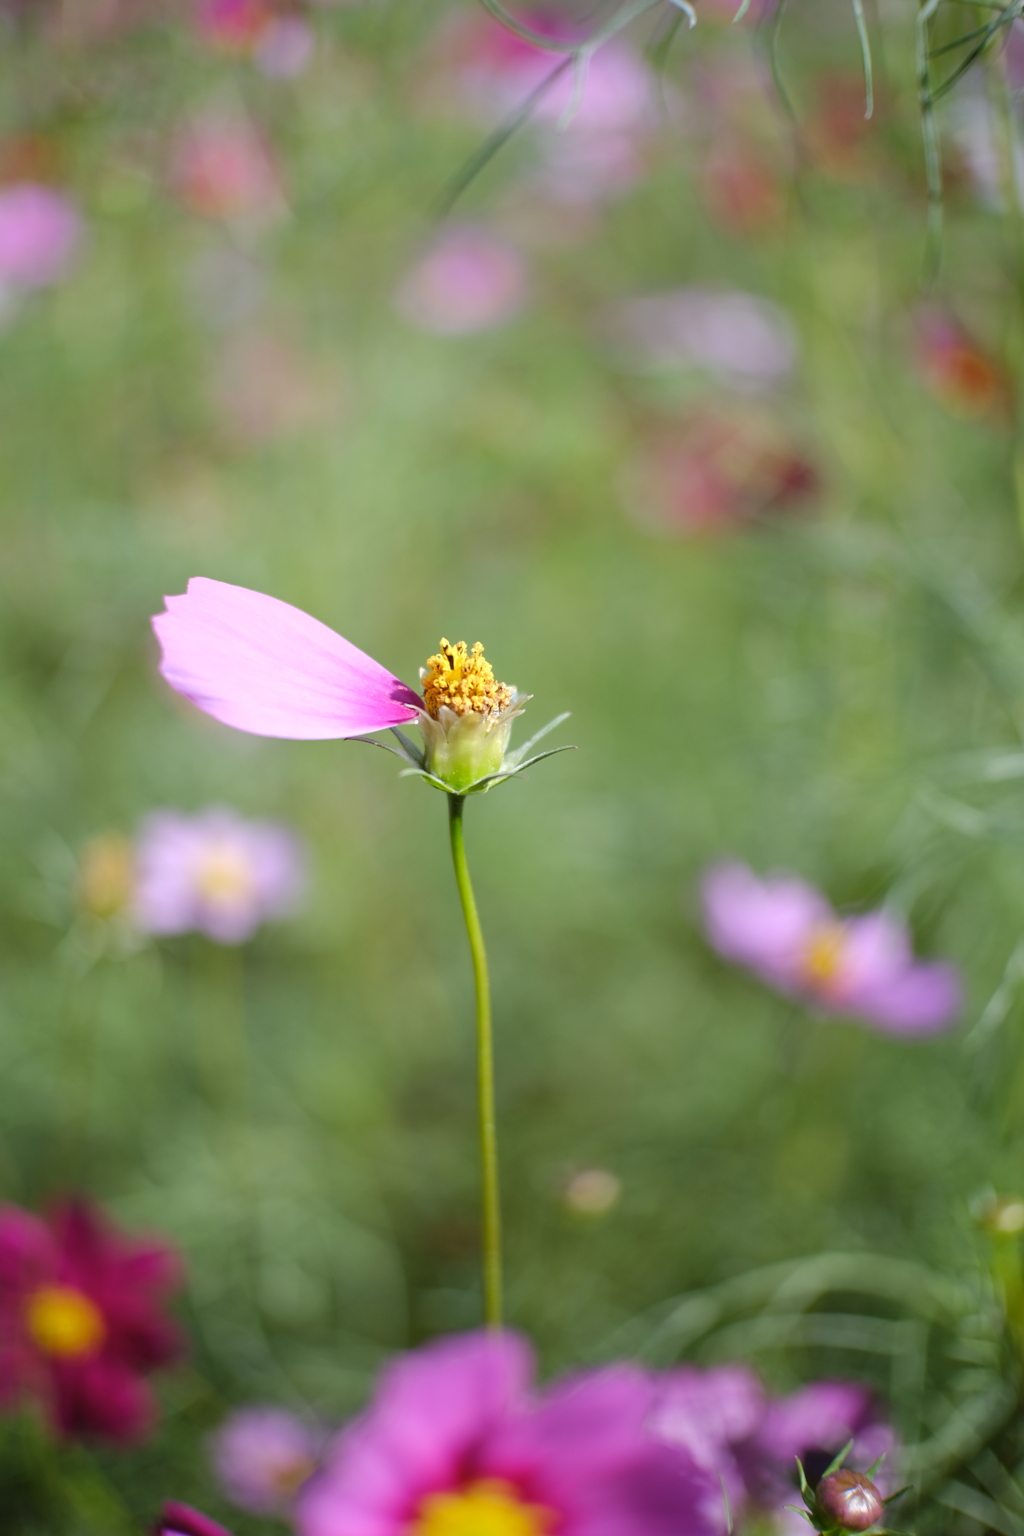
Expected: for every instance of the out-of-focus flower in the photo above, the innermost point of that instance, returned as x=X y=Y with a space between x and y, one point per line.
x=263 y=666
x=957 y=370
x=592 y=1192
x=837 y=133
x=183 y=1520
x=223 y=169
x=1002 y=1215
x=717 y=472
x=455 y=1442
x=285 y=47
x=280 y=43
x=106 y=876
x=738 y=337
x=82 y=1320
x=40 y=232
x=232 y=25
x=740 y=187
x=469 y=280
x=262 y=1457
x=214 y=872
x=788 y=934
x=714 y=1414
x=849 y=1501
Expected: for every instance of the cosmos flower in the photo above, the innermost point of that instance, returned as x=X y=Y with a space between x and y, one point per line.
x=214 y=872
x=455 y=1441
x=787 y=933
x=82 y=1321
x=468 y=280
x=739 y=338
x=263 y=666
x=957 y=369
x=279 y=44
x=223 y=169
x=40 y=232
x=262 y=1457
x=182 y=1520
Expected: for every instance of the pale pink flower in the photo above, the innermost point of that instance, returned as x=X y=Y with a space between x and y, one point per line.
x=468 y=280
x=40 y=232
x=262 y=1457
x=740 y=338
x=214 y=872
x=223 y=169
x=787 y=933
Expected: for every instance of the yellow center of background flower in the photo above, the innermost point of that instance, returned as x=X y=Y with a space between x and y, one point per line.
x=106 y=875
x=464 y=681
x=64 y=1323
x=823 y=955
x=225 y=874
x=487 y=1508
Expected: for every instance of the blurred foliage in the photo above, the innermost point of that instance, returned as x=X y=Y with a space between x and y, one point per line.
x=839 y=694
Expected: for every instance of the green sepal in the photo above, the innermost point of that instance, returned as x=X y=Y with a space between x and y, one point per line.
x=834 y=1465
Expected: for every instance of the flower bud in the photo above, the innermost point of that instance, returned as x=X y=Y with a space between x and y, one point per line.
x=849 y=1501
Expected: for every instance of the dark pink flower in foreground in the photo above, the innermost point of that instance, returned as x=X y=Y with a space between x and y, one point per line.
x=469 y=280
x=262 y=1457
x=787 y=933
x=455 y=1441
x=263 y=666
x=40 y=231
x=82 y=1320
x=214 y=872
x=182 y=1520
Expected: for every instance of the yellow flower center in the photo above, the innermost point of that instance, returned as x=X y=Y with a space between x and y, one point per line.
x=64 y=1323
x=225 y=874
x=823 y=954
x=464 y=681
x=487 y=1508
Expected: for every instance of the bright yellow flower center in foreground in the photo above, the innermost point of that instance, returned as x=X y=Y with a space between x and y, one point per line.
x=823 y=954
x=487 y=1508
x=225 y=874
x=464 y=681
x=64 y=1323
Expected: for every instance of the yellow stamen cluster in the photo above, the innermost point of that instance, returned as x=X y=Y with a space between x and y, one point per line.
x=464 y=681
x=64 y=1323
x=486 y=1508
x=224 y=874
x=823 y=955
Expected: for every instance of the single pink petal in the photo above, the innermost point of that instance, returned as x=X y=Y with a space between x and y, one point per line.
x=763 y=924
x=925 y=998
x=263 y=666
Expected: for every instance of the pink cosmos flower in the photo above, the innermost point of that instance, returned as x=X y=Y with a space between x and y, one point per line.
x=262 y=1457
x=182 y=1520
x=232 y=25
x=215 y=872
x=469 y=280
x=40 y=231
x=456 y=1441
x=788 y=934
x=223 y=169
x=740 y=338
x=82 y=1321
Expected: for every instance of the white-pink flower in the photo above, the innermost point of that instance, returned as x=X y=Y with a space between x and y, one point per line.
x=40 y=232
x=787 y=933
x=468 y=280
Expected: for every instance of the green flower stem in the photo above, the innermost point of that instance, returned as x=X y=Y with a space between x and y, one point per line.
x=491 y=1193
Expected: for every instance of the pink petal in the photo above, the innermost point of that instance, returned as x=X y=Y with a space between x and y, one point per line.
x=926 y=998
x=763 y=924
x=263 y=666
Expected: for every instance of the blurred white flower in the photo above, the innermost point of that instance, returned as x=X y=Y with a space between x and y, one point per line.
x=741 y=338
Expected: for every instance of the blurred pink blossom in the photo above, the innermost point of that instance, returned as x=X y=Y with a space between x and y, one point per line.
x=222 y=169
x=787 y=933
x=456 y=1439
x=741 y=338
x=285 y=47
x=468 y=280
x=961 y=374
x=232 y=25
x=214 y=872
x=280 y=43
x=83 y=1320
x=262 y=1457
x=40 y=232
x=711 y=1413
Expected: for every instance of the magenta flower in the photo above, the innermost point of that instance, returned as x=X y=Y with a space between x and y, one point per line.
x=182 y=1520
x=40 y=232
x=263 y=666
x=455 y=1442
x=82 y=1320
x=262 y=1457
x=469 y=280
x=214 y=872
x=787 y=933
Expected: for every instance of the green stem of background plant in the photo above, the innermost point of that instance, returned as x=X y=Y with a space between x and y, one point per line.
x=491 y=1193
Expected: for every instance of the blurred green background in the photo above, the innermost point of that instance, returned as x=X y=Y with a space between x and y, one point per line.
x=828 y=690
